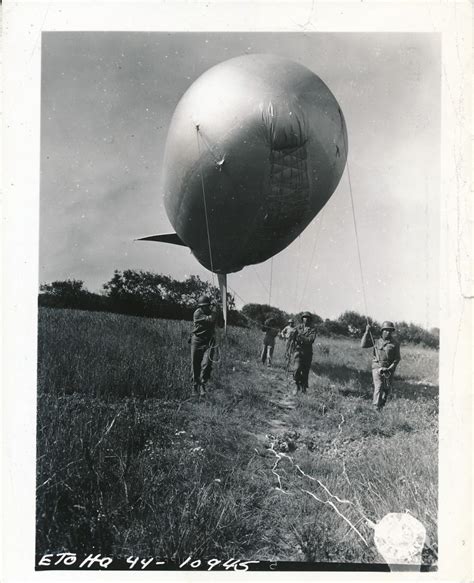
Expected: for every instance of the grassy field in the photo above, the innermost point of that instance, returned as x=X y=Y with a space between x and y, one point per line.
x=129 y=464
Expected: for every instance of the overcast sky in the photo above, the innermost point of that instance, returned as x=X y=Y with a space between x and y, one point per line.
x=107 y=100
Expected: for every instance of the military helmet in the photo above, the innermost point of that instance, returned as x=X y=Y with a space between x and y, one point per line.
x=204 y=301
x=306 y=315
x=387 y=325
x=291 y=321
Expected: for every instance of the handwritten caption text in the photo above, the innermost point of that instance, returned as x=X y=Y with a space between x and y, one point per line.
x=98 y=561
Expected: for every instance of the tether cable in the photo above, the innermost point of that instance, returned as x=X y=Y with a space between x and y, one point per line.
x=298 y=266
x=260 y=280
x=357 y=242
x=271 y=281
x=214 y=349
x=205 y=204
x=316 y=237
x=259 y=324
x=217 y=160
x=357 y=239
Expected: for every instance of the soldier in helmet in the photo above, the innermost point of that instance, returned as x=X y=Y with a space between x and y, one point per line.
x=203 y=343
x=304 y=337
x=384 y=363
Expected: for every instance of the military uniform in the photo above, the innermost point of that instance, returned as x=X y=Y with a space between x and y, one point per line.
x=304 y=338
x=202 y=347
x=288 y=334
x=271 y=333
x=386 y=354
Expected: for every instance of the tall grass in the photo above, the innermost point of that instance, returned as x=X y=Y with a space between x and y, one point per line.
x=111 y=356
x=129 y=464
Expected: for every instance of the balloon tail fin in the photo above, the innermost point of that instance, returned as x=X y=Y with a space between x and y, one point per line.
x=222 y=277
x=172 y=238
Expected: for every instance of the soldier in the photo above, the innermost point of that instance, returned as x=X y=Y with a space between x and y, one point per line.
x=384 y=363
x=271 y=332
x=203 y=344
x=288 y=334
x=304 y=337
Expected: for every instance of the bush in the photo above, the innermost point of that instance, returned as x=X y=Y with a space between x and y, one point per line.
x=353 y=323
x=152 y=295
x=259 y=313
x=331 y=328
x=70 y=293
x=137 y=293
x=417 y=335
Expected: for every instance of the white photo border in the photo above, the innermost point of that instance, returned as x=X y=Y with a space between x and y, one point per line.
x=23 y=23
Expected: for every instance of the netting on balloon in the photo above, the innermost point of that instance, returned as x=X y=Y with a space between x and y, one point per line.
x=286 y=201
x=288 y=197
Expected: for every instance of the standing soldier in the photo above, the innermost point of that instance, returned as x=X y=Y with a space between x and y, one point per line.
x=288 y=334
x=203 y=344
x=271 y=332
x=385 y=361
x=304 y=337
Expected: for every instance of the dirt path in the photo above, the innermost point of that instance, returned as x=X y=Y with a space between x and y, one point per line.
x=279 y=429
x=282 y=400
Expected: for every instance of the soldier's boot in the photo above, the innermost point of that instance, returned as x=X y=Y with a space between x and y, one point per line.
x=202 y=390
x=195 y=390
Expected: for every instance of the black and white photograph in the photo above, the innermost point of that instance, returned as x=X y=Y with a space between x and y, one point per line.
x=240 y=301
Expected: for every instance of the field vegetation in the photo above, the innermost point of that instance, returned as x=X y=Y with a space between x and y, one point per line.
x=154 y=295
x=128 y=463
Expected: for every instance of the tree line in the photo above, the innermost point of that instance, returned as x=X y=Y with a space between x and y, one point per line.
x=148 y=294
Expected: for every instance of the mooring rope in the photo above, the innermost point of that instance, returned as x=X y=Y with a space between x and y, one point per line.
x=357 y=238
x=205 y=204
x=260 y=279
x=316 y=237
x=329 y=494
x=215 y=349
x=259 y=324
x=271 y=281
x=298 y=266
x=357 y=242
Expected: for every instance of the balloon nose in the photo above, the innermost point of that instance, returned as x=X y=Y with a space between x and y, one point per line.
x=251 y=159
